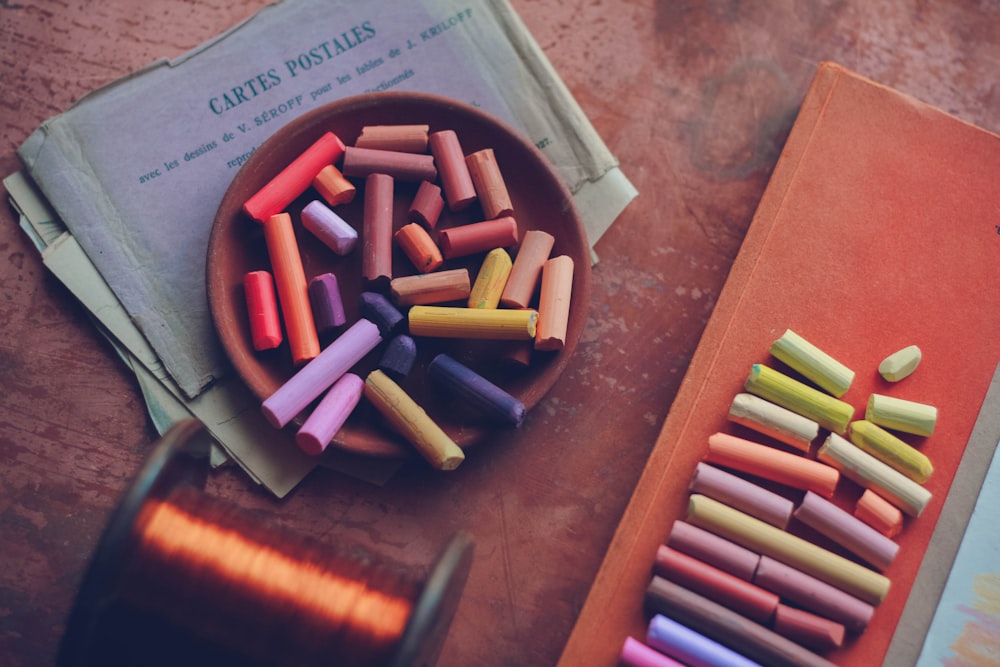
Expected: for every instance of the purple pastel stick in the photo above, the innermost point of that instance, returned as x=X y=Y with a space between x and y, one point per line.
x=742 y=494
x=808 y=592
x=847 y=530
x=377 y=308
x=690 y=647
x=331 y=413
x=479 y=393
x=315 y=377
x=398 y=357
x=636 y=654
x=712 y=549
x=327 y=305
x=329 y=227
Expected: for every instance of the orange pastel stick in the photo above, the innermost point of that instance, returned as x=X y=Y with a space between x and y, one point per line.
x=490 y=186
x=779 y=466
x=401 y=138
x=362 y=162
x=879 y=513
x=455 y=177
x=293 y=291
x=523 y=279
x=294 y=179
x=262 y=309
x=376 y=230
x=427 y=205
x=333 y=186
x=478 y=237
x=419 y=247
x=553 y=304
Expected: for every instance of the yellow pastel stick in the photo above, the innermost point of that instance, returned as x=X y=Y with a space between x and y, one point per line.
x=412 y=422
x=901 y=415
x=491 y=279
x=829 y=412
x=762 y=537
x=890 y=450
x=813 y=363
x=448 y=322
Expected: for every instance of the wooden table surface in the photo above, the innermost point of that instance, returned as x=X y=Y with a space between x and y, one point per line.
x=694 y=98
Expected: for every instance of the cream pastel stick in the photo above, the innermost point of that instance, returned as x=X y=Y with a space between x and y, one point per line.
x=773 y=420
x=900 y=414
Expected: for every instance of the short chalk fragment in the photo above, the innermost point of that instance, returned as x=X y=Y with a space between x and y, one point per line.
x=294 y=179
x=427 y=205
x=330 y=414
x=829 y=412
x=489 y=184
x=901 y=415
x=398 y=357
x=879 y=513
x=455 y=178
x=410 y=167
x=377 y=308
x=554 y=303
x=773 y=420
x=262 y=310
x=401 y=138
x=429 y=288
x=318 y=375
x=329 y=227
x=867 y=471
x=476 y=323
x=813 y=363
x=333 y=186
x=490 y=280
x=458 y=381
x=327 y=304
x=891 y=450
x=901 y=364
x=419 y=247
x=524 y=275
x=847 y=531
x=813 y=631
x=412 y=422
x=478 y=237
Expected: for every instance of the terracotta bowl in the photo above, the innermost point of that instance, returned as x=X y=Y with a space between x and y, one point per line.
x=540 y=201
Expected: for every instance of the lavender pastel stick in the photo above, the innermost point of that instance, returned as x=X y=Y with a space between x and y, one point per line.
x=398 y=357
x=482 y=395
x=326 y=302
x=712 y=549
x=377 y=308
x=847 y=530
x=636 y=654
x=691 y=648
x=742 y=494
x=331 y=413
x=329 y=227
x=315 y=377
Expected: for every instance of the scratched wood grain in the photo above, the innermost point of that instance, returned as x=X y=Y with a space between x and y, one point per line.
x=695 y=99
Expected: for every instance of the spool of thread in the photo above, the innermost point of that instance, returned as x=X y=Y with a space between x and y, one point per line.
x=181 y=578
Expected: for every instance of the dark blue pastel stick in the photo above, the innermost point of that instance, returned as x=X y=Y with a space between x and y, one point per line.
x=398 y=357
x=479 y=393
x=377 y=308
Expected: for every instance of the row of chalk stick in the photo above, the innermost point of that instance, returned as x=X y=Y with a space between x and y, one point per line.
x=496 y=307
x=731 y=585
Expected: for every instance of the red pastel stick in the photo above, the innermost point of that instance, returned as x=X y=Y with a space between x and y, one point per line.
x=730 y=591
x=478 y=237
x=262 y=307
x=455 y=177
x=294 y=179
x=812 y=631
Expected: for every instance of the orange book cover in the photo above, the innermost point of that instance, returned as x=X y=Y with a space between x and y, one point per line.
x=879 y=229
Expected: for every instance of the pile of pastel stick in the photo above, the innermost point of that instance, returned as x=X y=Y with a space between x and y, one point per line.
x=433 y=302
x=732 y=585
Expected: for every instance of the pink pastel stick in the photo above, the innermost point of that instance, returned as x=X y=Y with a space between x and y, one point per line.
x=847 y=530
x=331 y=413
x=636 y=654
x=712 y=549
x=743 y=495
x=316 y=376
x=814 y=595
